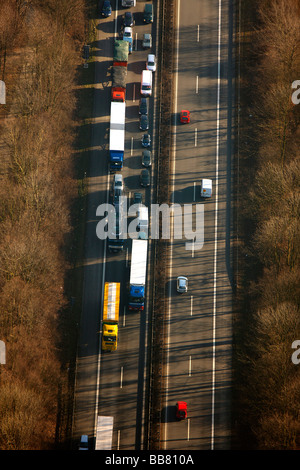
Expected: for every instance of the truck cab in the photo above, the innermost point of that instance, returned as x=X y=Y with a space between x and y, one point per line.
x=136 y=297
x=109 y=337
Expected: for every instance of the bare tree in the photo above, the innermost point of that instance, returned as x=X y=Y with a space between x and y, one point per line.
x=9 y=22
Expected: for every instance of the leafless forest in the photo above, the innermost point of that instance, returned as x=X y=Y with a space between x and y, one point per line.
x=40 y=51
x=268 y=317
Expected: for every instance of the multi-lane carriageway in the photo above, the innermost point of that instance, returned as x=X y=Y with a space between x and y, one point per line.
x=198 y=366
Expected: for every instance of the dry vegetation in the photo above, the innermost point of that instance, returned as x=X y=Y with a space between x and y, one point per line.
x=40 y=49
x=268 y=382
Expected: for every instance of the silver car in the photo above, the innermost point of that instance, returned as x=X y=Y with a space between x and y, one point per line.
x=182 y=284
x=151 y=62
x=147 y=41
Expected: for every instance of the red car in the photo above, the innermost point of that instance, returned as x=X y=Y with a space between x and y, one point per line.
x=184 y=116
x=181 y=410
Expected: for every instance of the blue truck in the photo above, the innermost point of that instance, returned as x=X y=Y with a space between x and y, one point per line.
x=138 y=270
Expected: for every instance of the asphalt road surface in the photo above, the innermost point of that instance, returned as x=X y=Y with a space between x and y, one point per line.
x=199 y=322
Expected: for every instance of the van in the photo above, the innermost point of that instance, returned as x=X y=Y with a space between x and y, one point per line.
x=206 y=188
x=148 y=13
x=146 y=83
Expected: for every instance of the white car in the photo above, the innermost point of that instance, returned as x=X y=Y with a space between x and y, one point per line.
x=151 y=62
x=182 y=284
x=127 y=32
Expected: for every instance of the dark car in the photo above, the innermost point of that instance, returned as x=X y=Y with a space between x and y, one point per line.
x=144 y=122
x=145 y=178
x=128 y=19
x=146 y=140
x=106 y=9
x=117 y=188
x=148 y=13
x=144 y=106
x=146 y=158
x=137 y=198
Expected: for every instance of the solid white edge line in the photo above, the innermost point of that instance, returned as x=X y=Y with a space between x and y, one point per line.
x=216 y=236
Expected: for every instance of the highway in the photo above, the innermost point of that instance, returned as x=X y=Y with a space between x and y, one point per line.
x=198 y=368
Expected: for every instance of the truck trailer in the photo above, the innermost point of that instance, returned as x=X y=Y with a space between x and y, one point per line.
x=119 y=78
x=119 y=70
x=110 y=320
x=104 y=432
x=117 y=135
x=138 y=270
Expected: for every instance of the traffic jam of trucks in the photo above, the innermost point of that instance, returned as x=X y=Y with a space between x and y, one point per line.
x=139 y=248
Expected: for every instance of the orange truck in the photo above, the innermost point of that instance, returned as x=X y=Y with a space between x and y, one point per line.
x=119 y=70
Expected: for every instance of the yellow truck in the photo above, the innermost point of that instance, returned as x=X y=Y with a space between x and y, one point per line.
x=110 y=318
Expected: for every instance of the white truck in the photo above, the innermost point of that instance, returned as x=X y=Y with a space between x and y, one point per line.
x=206 y=188
x=117 y=135
x=104 y=432
x=138 y=270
